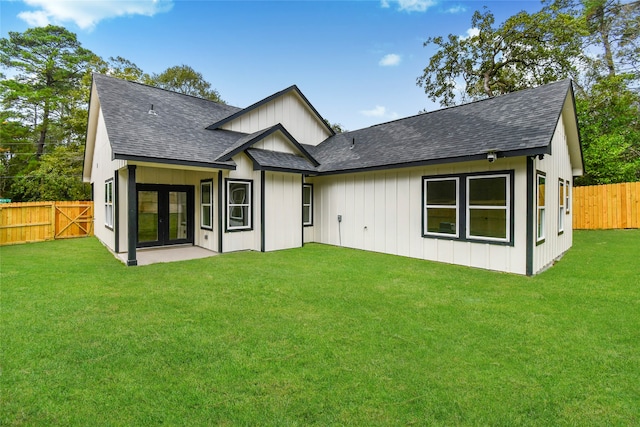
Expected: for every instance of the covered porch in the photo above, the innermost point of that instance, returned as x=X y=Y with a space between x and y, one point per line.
x=154 y=255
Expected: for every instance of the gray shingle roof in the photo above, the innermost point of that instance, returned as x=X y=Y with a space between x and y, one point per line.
x=177 y=131
x=286 y=162
x=520 y=123
x=515 y=124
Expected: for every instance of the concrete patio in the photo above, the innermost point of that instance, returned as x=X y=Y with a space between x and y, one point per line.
x=147 y=256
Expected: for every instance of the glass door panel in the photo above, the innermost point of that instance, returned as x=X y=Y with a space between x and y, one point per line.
x=177 y=215
x=147 y=216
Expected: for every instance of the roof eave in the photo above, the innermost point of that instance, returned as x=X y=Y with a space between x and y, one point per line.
x=527 y=152
x=209 y=165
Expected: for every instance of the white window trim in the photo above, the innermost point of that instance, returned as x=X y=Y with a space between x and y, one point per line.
x=428 y=206
x=561 y=205
x=247 y=204
x=209 y=183
x=309 y=205
x=506 y=208
x=108 y=204
x=541 y=216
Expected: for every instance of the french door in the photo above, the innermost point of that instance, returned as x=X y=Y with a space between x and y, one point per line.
x=165 y=214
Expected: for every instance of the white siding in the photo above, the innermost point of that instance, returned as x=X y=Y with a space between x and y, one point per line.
x=382 y=212
x=556 y=166
x=288 y=110
x=102 y=169
x=249 y=239
x=276 y=142
x=283 y=211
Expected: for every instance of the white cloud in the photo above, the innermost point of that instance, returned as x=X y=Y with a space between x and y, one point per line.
x=410 y=5
x=86 y=14
x=456 y=9
x=380 y=112
x=385 y=4
x=471 y=32
x=390 y=60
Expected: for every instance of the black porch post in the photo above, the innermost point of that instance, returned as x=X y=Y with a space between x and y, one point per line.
x=132 y=216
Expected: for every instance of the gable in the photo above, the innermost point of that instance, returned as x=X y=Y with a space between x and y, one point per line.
x=289 y=108
x=275 y=139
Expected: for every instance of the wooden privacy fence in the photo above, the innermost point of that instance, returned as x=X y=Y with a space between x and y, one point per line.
x=607 y=206
x=39 y=221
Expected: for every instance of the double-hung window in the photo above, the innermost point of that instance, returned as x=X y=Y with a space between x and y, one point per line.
x=488 y=207
x=206 y=205
x=307 y=204
x=541 y=180
x=108 y=203
x=561 y=205
x=239 y=211
x=441 y=201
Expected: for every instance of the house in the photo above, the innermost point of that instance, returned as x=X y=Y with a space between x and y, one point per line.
x=487 y=184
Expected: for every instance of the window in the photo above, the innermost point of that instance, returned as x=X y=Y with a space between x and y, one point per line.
x=488 y=207
x=307 y=204
x=561 y=205
x=206 y=205
x=239 y=205
x=108 y=204
x=469 y=207
x=441 y=206
x=567 y=194
x=541 y=207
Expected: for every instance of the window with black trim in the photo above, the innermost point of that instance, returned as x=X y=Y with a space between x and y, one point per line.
x=239 y=209
x=541 y=207
x=469 y=207
x=561 y=205
x=206 y=204
x=441 y=206
x=488 y=207
x=108 y=203
x=567 y=193
x=307 y=204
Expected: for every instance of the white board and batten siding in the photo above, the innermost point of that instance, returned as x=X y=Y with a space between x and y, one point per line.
x=555 y=166
x=288 y=110
x=102 y=170
x=382 y=212
x=242 y=240
x=283 y=211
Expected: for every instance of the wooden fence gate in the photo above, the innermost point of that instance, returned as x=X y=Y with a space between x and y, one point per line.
x=40 y=221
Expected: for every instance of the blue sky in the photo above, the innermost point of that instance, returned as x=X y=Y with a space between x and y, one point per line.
x=356 y=61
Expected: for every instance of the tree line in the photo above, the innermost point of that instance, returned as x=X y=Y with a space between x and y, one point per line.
x=594 y=42
x=44 y=109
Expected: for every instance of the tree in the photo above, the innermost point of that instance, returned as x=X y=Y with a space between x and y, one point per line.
x=49 y=62
x=56 y=177
x=526 y=50
x=614 y=28
x=184 y=79
x=609 y=119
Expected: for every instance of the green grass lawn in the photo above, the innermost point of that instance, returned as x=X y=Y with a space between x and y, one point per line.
x=319 y=336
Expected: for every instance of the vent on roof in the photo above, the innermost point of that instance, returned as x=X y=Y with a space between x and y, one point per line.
x=152 y=111
x=353 y=143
